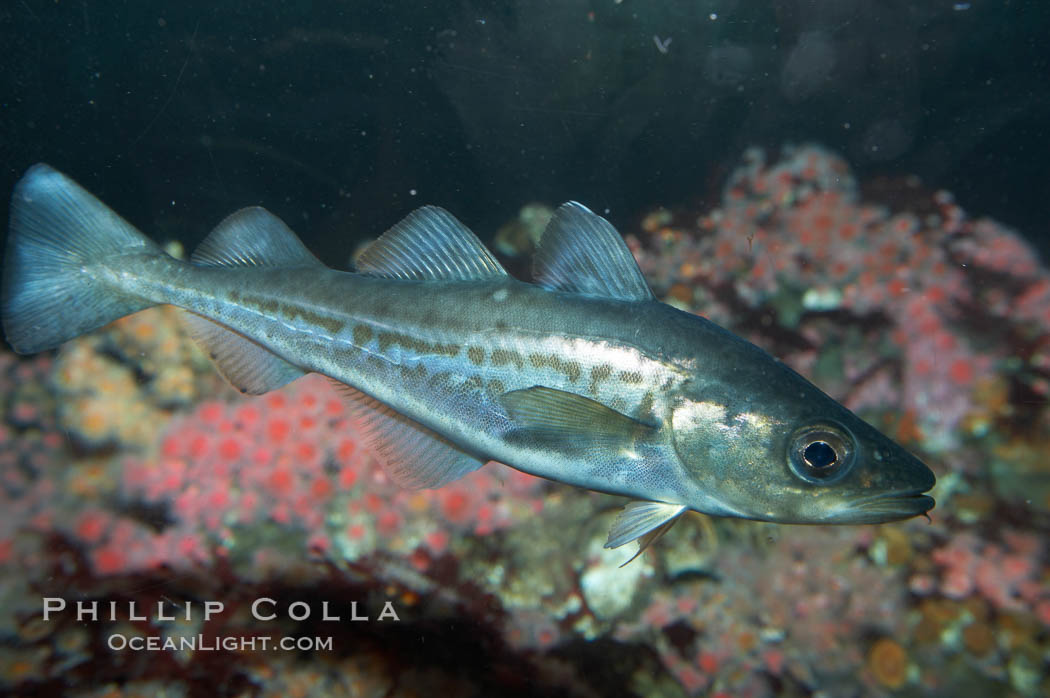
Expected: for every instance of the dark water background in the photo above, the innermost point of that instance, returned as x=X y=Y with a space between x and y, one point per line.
x=342 y=116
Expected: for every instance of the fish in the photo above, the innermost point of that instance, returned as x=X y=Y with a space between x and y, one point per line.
x=582 y=376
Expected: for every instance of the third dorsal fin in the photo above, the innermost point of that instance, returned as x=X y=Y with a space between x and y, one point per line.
x=429 y=243
x=253 y=237
x=581 y=252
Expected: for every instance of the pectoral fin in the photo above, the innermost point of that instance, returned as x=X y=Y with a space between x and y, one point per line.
x=644 y=522
x=569 y=420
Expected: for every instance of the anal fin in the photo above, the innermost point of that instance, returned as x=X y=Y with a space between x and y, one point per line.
x=414 y=456
x=250 y=367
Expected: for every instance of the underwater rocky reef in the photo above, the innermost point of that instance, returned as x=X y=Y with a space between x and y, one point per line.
x=132 y=473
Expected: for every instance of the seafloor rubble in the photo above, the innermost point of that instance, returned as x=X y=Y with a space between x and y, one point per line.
x=132 y=474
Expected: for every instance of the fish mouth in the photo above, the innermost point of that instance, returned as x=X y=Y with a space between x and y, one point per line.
x=885 y=506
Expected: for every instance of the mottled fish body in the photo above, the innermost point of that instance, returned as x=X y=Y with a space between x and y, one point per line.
x=583 y=377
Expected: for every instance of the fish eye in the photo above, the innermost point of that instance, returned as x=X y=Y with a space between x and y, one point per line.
x=819 y=455
x=822 y=453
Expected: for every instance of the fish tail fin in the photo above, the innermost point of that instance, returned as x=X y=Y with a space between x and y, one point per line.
x=54 y=285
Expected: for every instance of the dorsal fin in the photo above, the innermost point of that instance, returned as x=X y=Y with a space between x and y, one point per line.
x=429 y=243
x=253 y=237
x=581 y=252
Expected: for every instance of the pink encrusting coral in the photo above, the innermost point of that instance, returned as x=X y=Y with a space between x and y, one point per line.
x=778 y=610
x=1008 y=574
x=116 y=385
x=233 y=478
x=125 y=459
x=30 y=444
x=793 y=237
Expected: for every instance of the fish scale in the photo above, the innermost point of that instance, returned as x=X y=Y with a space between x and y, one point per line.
x=582 y=377
x=519 y=356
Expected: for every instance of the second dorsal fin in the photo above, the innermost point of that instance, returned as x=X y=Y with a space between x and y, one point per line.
x=581 y=252
x=429 y=243
x=253 y=237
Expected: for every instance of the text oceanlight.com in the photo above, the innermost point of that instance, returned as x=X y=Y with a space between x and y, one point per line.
x=199 y=643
